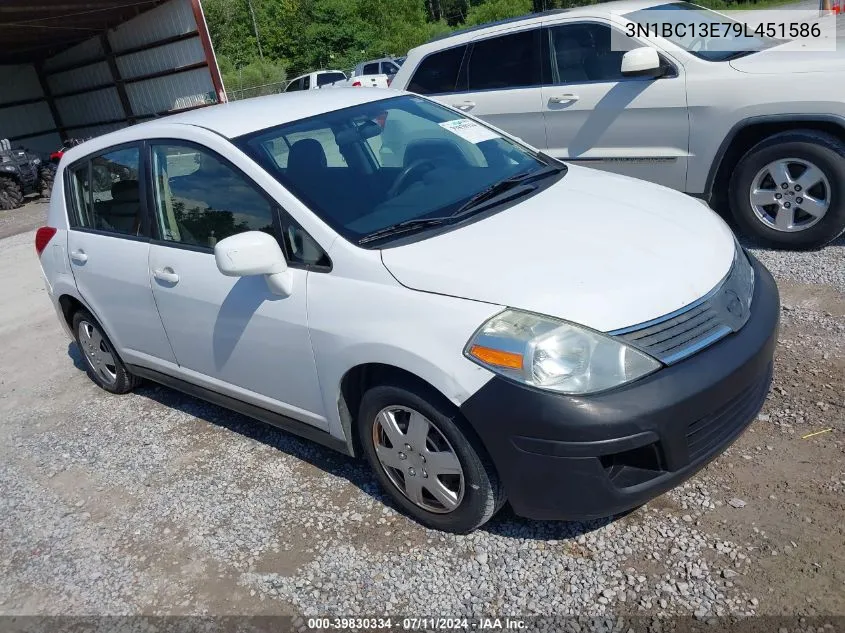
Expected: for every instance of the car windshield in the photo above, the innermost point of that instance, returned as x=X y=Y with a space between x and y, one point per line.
x=370 y=167
x=728 y=44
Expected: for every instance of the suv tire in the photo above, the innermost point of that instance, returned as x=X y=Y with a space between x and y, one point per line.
x=102 y=363
x=478 y=492
x=799 y=151
x=11 y=196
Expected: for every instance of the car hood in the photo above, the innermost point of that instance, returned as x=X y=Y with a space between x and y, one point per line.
x=790 y=58
x=598 y=249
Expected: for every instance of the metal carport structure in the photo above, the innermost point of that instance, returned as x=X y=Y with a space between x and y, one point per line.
x=79 y=68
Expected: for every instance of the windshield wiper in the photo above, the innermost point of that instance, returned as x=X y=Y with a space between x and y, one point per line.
x=508 y=184
x=402 y=227
x=494 y=194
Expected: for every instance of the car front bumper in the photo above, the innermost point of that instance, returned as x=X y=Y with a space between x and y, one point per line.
x=583 y=457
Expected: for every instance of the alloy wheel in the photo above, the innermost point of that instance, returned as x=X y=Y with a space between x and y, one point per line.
x=790 y=194
x=97 y=352
x=418 y=459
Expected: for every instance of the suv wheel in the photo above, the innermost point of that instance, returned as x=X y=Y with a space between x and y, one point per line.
x=425 y=461
x=101 y=361
x=789 y=189
x=11 y=196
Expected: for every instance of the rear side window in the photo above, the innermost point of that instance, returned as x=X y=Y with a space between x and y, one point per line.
x=106 y=193
x=438 y=72
x=371 y=69
x=327 y=78
x=306 y=82
x=509 y=61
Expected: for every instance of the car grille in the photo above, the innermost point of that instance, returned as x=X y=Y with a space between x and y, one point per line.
x=689 y=330
x=707 y=433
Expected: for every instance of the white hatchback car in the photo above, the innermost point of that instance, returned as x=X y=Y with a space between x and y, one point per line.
x=482 y=323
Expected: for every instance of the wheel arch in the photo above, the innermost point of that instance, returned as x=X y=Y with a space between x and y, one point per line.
x=358 y=379
x=747 y=133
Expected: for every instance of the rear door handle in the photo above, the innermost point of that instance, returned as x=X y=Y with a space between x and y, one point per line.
x=464 y=105
x=166 y=275
x=566 y=98
x=79 y=256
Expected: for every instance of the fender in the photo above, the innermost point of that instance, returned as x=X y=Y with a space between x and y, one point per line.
x=756 y=120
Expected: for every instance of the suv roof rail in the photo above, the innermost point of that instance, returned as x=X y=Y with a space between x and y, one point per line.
x=486 y=25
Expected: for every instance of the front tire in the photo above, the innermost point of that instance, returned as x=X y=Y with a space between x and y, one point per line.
x=789 y=190
x=432 y=468
x=102 y=363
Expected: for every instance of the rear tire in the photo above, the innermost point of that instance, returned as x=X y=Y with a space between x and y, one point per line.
x=11 y=195
x=102 y=363
x=441 y=476
x=779 y=221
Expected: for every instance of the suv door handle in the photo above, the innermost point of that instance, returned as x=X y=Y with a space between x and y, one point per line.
x=79 y=256
x=464 y=105
x=565 y=98
x=167 y=275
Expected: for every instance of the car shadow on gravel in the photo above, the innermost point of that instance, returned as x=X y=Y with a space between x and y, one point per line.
x=505 y=524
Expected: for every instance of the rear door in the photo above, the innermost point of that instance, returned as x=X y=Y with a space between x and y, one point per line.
x=595 y=116
x=108 y=249
x=502 y=83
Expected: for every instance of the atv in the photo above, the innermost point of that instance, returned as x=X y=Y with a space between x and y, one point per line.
x=18 y=175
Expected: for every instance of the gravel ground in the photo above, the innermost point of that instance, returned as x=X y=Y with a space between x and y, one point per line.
x=158 y=503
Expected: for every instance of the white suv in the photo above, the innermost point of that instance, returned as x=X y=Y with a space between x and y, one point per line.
x=748 y=125
x=482 y=323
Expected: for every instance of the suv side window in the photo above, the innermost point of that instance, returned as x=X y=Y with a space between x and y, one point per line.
x=389 y=68
x=370 y=69
x=582 y=52
x=438 y=72
x=306 y=82
x=508 y=61
x=201 y=199
x=106 y=193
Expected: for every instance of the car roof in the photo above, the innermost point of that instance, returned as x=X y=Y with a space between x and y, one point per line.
x=616 y=6
x=244 y=117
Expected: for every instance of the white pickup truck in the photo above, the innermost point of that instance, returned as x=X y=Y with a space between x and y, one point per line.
x=361 y=81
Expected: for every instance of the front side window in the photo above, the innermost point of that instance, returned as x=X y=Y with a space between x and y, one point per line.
x=508 y=61
x=389 y=68
x=107 y=193
x=295 y=85
x=200 y=200
x=715 y=49
x=405 y=158
x=438 y=73
x=583 y=51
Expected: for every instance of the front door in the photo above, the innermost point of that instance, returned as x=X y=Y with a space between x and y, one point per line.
x=597 y=117
x=108 y=249
x=230 y=334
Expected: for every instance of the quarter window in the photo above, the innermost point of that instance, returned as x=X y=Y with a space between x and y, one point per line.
x=438 y=72
x=509 y=61
x=582 y=52
x=106 y=193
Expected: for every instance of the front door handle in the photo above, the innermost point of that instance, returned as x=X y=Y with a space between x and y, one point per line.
x=166 y=274
x=464 y=105
x=79 y=256
x=565 y=98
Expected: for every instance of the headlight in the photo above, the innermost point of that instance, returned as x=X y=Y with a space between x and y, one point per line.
x=551 y=354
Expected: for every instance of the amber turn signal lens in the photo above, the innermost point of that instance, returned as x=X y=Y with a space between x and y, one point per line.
x=497 y=357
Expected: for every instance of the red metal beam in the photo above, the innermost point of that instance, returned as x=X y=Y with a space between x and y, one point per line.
x=208 y=49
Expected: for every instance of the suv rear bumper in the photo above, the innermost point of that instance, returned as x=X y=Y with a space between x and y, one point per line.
x=570 y=457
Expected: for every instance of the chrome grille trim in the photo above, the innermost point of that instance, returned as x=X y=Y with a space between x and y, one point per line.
x=684 y=332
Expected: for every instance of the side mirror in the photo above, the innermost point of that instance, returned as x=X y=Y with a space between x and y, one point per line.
x=641 y=62
x=254 y=253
